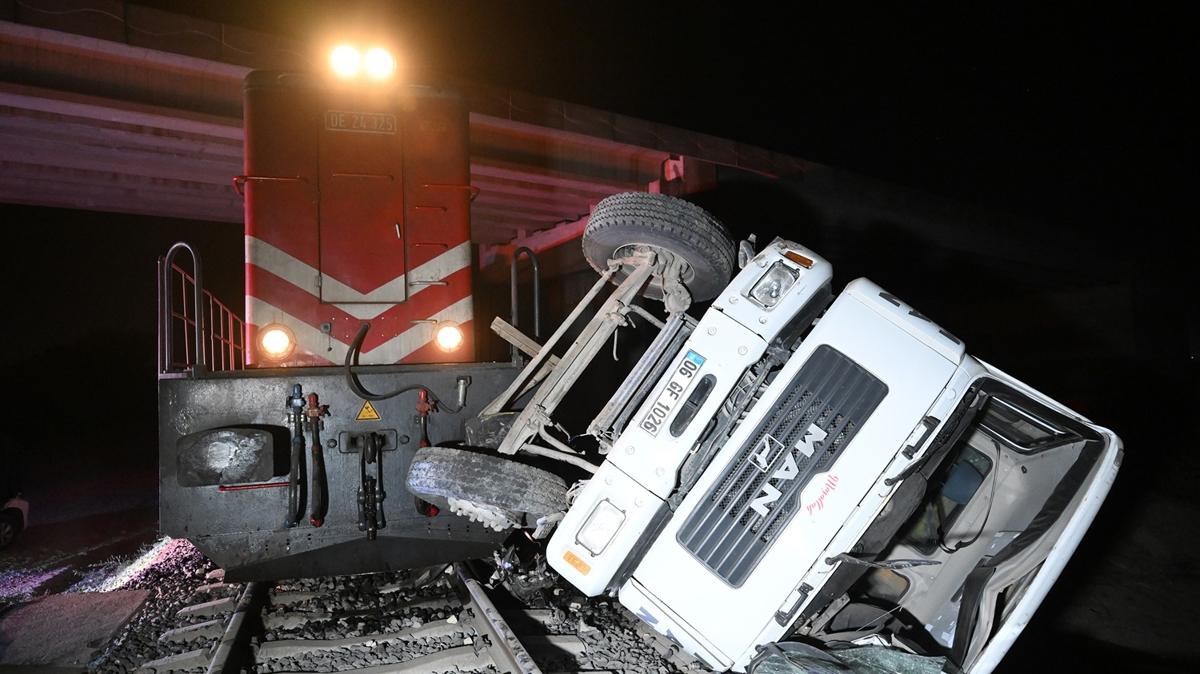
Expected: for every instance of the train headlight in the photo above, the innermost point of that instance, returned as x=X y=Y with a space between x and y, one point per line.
x=345 y=61
x=276 y=342
x=600 y=527
x=379 y=63
x=773 y=285
x=447 y=336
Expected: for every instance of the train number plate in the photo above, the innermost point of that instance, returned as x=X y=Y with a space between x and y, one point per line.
x=364 y=122
x=681 y=380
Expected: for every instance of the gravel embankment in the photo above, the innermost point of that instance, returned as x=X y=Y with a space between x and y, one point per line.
x=171 y=577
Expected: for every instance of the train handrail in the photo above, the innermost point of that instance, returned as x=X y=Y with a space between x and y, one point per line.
x=217 y=333
x=536 y=269
x=166 y=308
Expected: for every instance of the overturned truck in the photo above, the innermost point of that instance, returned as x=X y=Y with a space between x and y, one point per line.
x=790 y=466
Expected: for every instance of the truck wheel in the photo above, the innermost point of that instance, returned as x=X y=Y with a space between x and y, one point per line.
x=622 y=223
x=496 y=491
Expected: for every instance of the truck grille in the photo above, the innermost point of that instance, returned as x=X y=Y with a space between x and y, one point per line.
x=813 y=421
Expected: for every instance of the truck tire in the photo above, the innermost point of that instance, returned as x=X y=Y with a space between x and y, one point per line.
x=497 y=491
x=660 y=222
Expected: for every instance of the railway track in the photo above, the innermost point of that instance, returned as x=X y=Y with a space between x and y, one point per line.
x=433 y=620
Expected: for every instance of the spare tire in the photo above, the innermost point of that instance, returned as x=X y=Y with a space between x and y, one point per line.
x=495 y=490
x=623 y=222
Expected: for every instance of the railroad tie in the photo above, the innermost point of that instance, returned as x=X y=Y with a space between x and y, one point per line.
x=292 y=619
x=284 y=648
x=442 y=602
x=218 y=589
x=289 y=598
x=209 y=609
x=209 y=629
x=565 y=643
x=194 y=659
x=459 y=657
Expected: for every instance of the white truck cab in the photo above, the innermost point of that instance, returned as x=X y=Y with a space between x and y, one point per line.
x=789 y=467
x=867 y=472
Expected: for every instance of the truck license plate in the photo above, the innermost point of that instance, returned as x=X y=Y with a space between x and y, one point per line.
x=366 y=122
x=678 y=385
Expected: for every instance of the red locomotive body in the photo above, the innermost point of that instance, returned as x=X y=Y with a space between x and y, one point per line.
x=357 y=203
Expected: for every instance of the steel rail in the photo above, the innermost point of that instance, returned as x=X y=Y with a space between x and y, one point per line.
x=237 y=632
x=512 y=654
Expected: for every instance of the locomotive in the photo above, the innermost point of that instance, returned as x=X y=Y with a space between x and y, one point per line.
x=284 y=439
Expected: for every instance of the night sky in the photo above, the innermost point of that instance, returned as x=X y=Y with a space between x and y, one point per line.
x=1072 y=121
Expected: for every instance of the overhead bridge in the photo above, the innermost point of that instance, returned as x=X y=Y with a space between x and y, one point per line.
x=127 y=109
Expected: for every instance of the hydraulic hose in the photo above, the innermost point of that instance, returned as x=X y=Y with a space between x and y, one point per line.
x=297 y=480
x=320 y=484
x=361 y=391
x=380 y=494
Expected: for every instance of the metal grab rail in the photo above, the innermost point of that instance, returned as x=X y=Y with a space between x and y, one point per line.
x=239 y=182
x=217 y=334
x=537 y=294
x=226 y=335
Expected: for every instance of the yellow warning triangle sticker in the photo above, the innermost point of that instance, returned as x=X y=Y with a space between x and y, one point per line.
x=367 y=413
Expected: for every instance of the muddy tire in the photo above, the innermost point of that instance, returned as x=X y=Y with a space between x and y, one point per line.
x=438 y=474
x=662 y=223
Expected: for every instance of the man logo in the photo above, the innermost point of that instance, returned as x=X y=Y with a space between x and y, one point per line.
x=764 y=455
x=788 y=471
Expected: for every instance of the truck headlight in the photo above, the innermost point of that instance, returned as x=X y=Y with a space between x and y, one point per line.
x=773 y=285
x=600 y=527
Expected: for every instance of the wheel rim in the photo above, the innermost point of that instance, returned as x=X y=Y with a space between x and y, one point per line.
x=7 y=533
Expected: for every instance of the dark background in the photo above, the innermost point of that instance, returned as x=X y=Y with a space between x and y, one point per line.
x=1058 y=141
